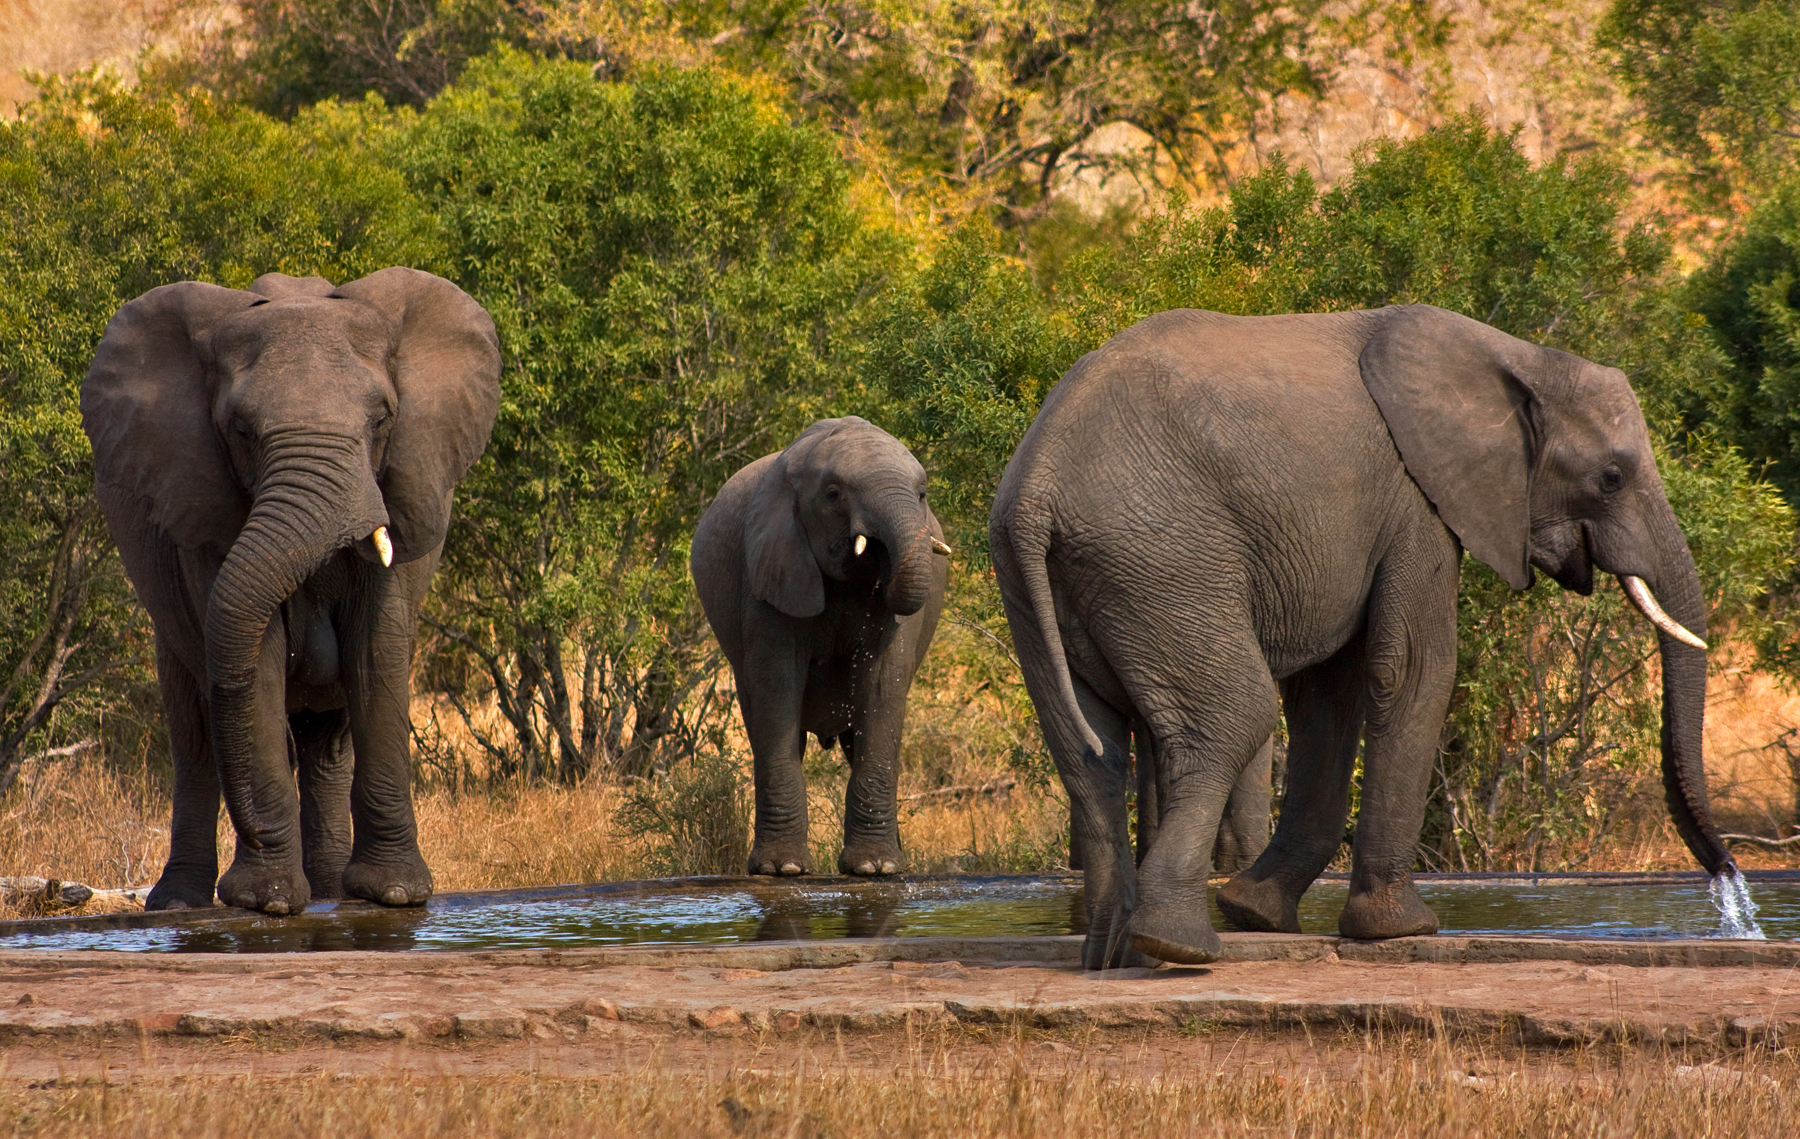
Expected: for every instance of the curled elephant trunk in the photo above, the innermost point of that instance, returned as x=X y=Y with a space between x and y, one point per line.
x=902 y=526
x=316 y=497
x=1674 y=603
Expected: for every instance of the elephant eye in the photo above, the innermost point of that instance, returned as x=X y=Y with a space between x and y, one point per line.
x=1611 y=480
x=242 y=428
x=832 y=494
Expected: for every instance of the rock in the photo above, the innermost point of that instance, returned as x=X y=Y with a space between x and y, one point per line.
x=717 y=1018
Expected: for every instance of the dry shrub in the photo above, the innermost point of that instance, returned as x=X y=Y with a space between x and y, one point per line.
x=693 y=818
x=970 y=733
x=1389 y=1092
x=83 y=820
x=514 y=836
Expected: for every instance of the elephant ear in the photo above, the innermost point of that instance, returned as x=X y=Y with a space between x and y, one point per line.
x=446 y=369
x=280 y=286
x=1458 y=401
x=777 y=554
x=146 y=398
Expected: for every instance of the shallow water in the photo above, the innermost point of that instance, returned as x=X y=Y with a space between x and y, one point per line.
x=1001 y=906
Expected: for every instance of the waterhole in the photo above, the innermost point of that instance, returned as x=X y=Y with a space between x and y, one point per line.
x=715 y=911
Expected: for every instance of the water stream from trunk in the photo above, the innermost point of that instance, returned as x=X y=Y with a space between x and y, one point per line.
x=1737 y=913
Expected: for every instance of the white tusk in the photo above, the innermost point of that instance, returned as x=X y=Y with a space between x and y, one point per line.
x=1646 y=602
x=862 y=543
x=384 y=545
x=938 y=547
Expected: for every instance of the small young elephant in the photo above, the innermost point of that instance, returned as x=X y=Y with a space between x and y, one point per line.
x=822 y=571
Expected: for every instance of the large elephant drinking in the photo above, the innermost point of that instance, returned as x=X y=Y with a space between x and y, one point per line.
x=1213 y=510
x=276 y=467
x=822 y=571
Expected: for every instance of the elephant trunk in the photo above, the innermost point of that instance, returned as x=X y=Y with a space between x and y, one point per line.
x=904 y=528
x=316 y=496
x=1676 y=587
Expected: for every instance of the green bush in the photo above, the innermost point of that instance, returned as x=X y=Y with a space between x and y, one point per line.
x=675 y=270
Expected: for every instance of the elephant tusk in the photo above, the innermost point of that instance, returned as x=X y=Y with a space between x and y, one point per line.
x=862 y=543
x=1646 y=603
x=384 y=545
x=938 y=547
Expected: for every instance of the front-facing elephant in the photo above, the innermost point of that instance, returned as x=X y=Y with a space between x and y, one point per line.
x=276 y=466
x=822 y=571
x=1211 y=510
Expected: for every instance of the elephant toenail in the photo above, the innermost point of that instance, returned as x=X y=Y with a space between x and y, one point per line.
x=278 y=907
x=864 y=868
x=890 y=868
x=790 y=869
x=395 y=896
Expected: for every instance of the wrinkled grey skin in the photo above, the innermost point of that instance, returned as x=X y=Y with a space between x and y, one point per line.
x=819 y=639
x=1212 y=511
x=247 y=444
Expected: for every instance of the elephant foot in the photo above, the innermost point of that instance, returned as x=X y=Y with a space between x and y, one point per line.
x=869 y=860
x=175 y=891
x=1181 y=935
x=785 y=859
x=258 y=882
x=1391 y=910
x=1258 y=906
x=1100 y=952
x=405 y=881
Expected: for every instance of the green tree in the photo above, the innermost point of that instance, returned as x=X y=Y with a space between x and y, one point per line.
x=1718 y=80
x=282 y=55
x=1750 y=297
x=674 y=269
x=105 y=194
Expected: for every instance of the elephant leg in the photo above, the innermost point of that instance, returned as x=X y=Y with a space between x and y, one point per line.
x=327 y=764
x=1244 y=831
x=770 y=691
x=385 y=863
x=192 y=870
x=1203 y=755
x=1096 y=786
x=271 y=879
x=871 y=807
x=1411 y=668
x=1324 y=718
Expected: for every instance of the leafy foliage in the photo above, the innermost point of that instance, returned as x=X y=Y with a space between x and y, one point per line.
x=1750 y=298
x=1718 y=81
x=674 y=270
x=283 y=55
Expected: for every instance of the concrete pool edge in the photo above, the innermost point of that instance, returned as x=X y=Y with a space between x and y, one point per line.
x=780 y=956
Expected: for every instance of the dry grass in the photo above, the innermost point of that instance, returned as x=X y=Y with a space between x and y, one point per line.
x=1392 y=1090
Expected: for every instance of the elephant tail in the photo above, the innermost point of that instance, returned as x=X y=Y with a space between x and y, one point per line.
x=1037 y=586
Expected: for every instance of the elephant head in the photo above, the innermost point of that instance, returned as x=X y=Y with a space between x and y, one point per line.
x=277 y=426
x=1537 y=458
x=845 y=500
